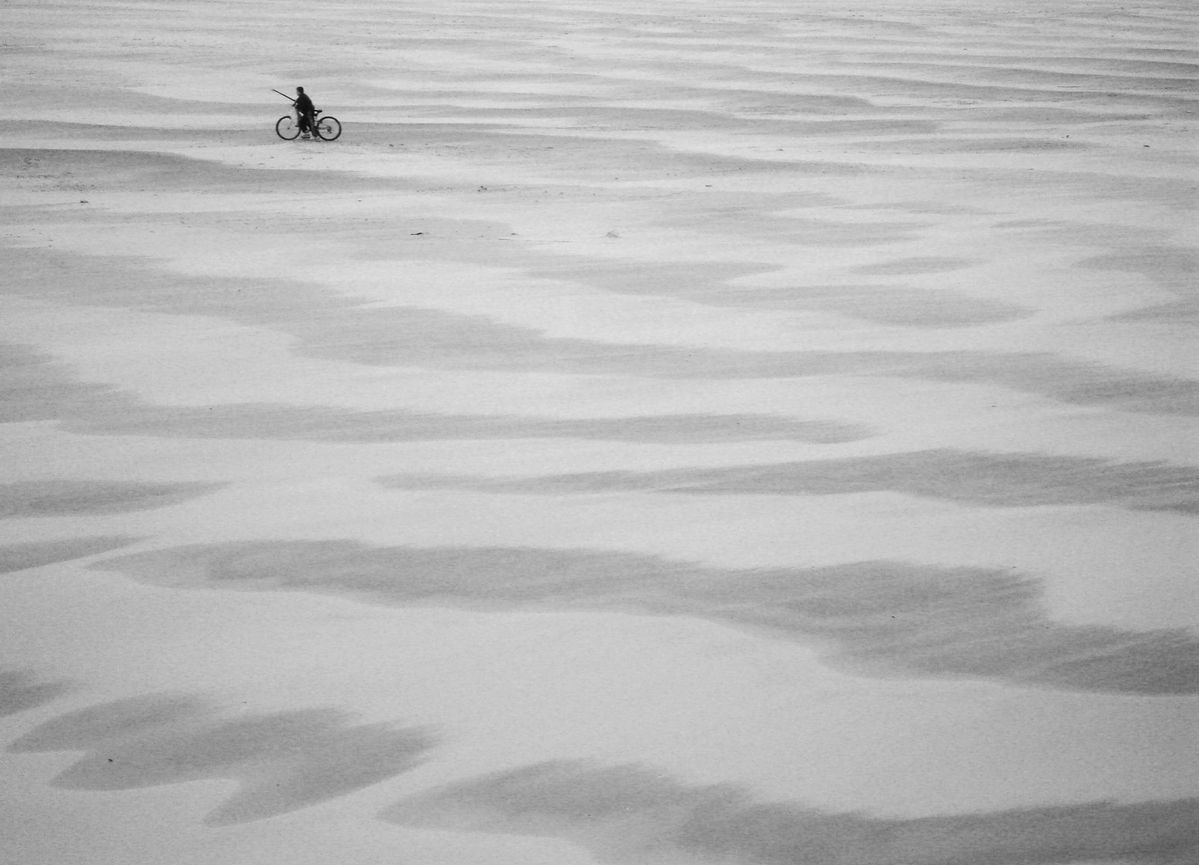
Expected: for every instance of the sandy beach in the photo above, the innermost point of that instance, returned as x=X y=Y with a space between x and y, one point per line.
x=750 y=433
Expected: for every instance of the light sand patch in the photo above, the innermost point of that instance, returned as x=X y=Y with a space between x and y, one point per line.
x=284 y=761
x=881 y=617
x=635 y=814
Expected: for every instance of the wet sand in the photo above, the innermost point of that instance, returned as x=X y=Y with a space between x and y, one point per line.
x=702 y=434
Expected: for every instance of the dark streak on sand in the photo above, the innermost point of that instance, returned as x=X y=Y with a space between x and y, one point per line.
x=35 y=554
x=125 y=170
x=21 y=690
x=632 y=814
x=1172 y=269
x=729 y=286
x=880 y=618
x=284 y=761
x=989 y=479
x=336 y=327
x=33 y=387
x=56 y=498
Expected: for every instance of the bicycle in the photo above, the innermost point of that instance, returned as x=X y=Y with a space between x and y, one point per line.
x=326 y=128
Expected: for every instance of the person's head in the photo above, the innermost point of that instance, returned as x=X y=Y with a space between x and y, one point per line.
x=300 y=90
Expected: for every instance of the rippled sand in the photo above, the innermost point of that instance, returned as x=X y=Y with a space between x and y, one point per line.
x=754 y=433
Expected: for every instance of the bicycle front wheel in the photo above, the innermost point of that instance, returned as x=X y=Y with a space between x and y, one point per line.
x=287 y=128
x=328 y=128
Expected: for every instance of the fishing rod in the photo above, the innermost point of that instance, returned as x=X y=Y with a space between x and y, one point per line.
x=284 y=95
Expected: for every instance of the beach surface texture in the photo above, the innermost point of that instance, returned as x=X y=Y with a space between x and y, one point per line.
x=698 y=433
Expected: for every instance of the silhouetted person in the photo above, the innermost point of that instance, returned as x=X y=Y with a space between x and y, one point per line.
x=305 y=110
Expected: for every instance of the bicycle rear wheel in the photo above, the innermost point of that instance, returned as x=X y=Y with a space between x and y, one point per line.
x=328 y=128
x=286 y=127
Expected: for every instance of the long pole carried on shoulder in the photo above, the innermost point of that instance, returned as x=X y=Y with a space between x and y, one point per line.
x=284 y=95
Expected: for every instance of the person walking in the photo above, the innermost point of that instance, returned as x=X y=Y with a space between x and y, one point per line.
x=306 y=112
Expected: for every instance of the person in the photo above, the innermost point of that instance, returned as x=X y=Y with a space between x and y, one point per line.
x=306 y=112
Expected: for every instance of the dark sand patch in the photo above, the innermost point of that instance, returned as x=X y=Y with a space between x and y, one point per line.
x=795 y=118
x=1055 y=69
x=33 y=387
x=1067 y=235
x=79 y=94
x=1165 y=96
x=1051 y=116
x=92 y=169
x=916 y=265
x=996 y=480
x=574 y=156
x=19 y=557
x=327 y=424
x=284 y=761
x=894 y=305
x=1174 y=269
x=880 y=618
x=749 y=220
x=719 y=285
x=1062 y=379
x=685 y=279
x=91 y=133
x=961 y=145
x=631 y=813
x=578 y=156
x=1175 y=311
x=57 y=498
x=21 y=690
x=337 y=327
